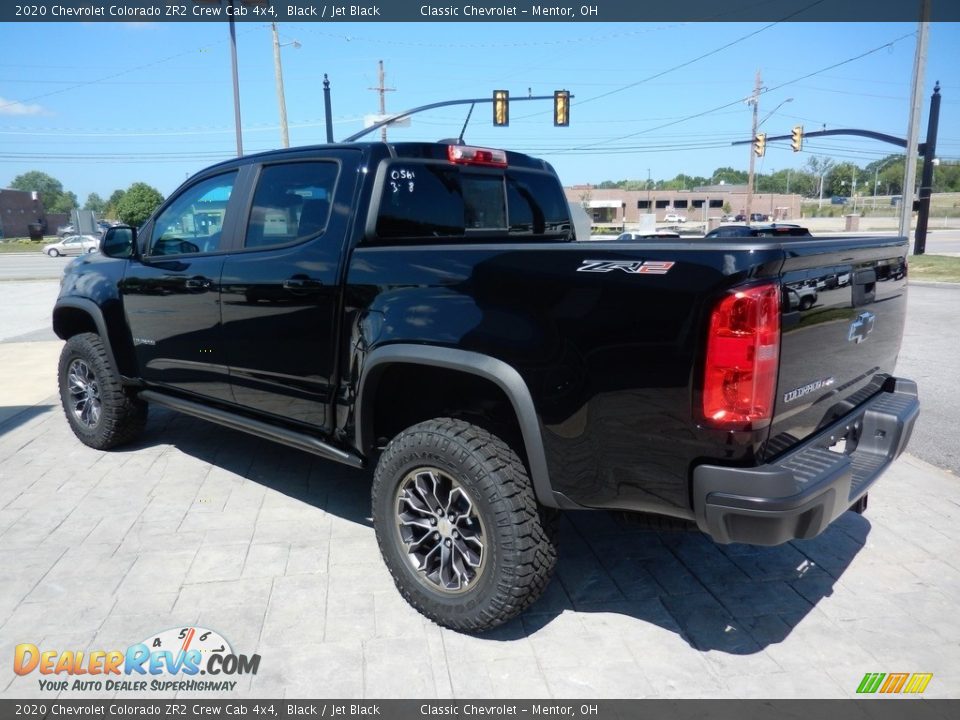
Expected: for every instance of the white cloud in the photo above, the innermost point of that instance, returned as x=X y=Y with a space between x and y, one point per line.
x=15 y=107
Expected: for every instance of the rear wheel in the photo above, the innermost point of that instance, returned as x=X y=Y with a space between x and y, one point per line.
x=100 y=411
x=458 y=525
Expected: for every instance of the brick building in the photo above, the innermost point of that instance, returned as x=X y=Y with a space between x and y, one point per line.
x=618 y=207
x=19 y=208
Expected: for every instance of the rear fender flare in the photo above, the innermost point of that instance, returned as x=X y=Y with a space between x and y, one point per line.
x=484 y=366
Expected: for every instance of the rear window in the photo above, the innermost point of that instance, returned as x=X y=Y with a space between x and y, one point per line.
x=419 y=200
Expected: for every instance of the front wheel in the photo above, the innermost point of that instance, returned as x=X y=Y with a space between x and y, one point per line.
x=53 y=252
x=98 y=408
x=458 y=525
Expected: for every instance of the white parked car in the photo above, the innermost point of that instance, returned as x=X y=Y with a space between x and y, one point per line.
x=73 y=245
x=674 y=218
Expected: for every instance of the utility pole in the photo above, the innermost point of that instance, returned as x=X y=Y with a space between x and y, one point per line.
x=236 y=83
x=755 y=101
x=383 y=91
x=281 y=101
x=913 y=127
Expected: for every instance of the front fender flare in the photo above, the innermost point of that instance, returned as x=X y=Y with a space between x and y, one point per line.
x=96 y=314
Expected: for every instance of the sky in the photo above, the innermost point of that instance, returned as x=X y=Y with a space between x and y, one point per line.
x=102 y=105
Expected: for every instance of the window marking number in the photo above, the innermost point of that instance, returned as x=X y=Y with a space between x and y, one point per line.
x=400 y=177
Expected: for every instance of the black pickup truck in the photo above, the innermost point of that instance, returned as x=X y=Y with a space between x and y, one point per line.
x=425 y=308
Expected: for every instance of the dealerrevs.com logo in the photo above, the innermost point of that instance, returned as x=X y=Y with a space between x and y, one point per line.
x=170 y=661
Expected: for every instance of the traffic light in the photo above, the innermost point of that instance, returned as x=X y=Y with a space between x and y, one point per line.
x=796 y=138
x=561 y=108
x=760 y=144
x=501 y=108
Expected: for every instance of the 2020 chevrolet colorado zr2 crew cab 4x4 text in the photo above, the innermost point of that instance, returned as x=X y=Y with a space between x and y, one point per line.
x=426 y=308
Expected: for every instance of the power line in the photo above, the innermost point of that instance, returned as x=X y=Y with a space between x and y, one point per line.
x=767 y=91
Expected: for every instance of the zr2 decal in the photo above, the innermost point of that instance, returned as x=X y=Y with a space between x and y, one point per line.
x=633 y=267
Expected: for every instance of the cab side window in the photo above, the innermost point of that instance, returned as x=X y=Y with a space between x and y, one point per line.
x=291 y=204
x=193 y=222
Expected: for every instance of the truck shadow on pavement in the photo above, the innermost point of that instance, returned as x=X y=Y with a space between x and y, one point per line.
x=13 y=416
x=736 y=599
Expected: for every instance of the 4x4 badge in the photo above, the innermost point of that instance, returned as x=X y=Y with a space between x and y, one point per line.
x=861 y=327
x=637 y=267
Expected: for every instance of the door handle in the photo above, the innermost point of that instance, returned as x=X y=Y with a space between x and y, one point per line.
x=301 y=283
x=197 y=283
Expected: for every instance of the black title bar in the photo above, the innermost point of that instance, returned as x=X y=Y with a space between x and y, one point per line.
x=478 y=11
x=192 y=709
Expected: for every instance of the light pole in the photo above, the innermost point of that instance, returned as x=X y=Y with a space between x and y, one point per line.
x=649 y=207
x=876 y=179
x=773 y=111
x=278 y=73
x=236 y=83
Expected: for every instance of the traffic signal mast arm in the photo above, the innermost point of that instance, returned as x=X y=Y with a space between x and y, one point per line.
x=900 y=142
x=431 y=106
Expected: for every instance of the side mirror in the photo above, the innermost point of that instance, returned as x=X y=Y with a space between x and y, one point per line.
x=119 y=242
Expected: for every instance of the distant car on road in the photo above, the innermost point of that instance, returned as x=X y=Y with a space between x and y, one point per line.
x=674 y=217
x=658 y=235
x=775 y=230
x=73 y=245
x=65 y=230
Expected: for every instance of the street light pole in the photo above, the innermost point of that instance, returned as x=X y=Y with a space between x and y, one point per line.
x=649 y=207
x=281 y=101
x=236 y=82
x=281 y=96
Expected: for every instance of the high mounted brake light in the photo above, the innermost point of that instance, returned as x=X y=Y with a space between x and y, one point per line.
x=469 y=155
x=743 y=353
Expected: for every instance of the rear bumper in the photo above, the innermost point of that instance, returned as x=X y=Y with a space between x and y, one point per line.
x=805 y=490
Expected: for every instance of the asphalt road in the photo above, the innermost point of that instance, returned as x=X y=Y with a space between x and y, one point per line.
x=941 y=242
x=930 y=354
x=31 y=267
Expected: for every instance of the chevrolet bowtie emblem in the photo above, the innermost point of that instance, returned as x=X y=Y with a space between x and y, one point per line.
x=861 y=327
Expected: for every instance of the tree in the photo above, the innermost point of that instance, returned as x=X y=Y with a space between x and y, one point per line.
x=96 y=203
x=819 y=166
x=729 y=176
x=842 y=179
x=51 y=191
x=110 y=211
x=137 y=203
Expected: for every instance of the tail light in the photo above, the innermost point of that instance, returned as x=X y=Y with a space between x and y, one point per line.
x=743 y=353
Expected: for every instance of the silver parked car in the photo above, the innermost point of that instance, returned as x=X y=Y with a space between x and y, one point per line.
x=73 y=245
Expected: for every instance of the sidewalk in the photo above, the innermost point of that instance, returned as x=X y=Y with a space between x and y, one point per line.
x=31 y=368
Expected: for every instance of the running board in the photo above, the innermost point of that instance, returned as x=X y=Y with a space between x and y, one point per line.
x=294 y=439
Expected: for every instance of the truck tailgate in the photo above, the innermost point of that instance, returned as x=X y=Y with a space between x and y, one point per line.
x=842 y=318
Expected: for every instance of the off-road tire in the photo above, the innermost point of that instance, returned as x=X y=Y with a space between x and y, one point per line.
x=520 y=554
x=122 y=417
